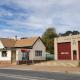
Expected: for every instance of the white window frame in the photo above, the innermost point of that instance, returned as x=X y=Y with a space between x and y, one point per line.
x=38 y=52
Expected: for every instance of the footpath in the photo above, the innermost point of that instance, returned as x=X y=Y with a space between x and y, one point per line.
x=62 y=69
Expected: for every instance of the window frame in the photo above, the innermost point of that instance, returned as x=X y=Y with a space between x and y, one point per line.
x=38 y=53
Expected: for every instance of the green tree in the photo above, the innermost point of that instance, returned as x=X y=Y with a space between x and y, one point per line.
x=48 y=39
x=67 y=33
x=76 y=32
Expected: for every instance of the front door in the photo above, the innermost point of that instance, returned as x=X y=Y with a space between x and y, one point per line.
x=25 y=55
x=13 y=56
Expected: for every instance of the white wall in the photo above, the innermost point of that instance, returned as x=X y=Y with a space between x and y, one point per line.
x=18 y=54
x=8 y=58
x=1 y=45
x=38 y=46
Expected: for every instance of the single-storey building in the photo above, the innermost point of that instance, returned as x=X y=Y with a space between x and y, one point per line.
x=22 y=50
x=67 y=47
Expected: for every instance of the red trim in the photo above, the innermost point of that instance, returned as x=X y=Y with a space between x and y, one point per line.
x=25 y=50
x=29 y=61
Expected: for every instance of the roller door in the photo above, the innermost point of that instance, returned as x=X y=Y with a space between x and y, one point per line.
x=64 y=51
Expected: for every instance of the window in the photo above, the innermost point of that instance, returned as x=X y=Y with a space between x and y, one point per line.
x=4 y=53
x=38 y=53
x=25 y=56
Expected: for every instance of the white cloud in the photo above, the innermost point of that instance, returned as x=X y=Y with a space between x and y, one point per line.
x=12 y=33
x=48 y=9
x=5 y=12
x=62 y=14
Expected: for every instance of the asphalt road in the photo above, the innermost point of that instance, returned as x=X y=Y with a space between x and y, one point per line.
x=7 y=74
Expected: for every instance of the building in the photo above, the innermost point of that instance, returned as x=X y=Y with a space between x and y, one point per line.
x=67 y=47
x=22 y=51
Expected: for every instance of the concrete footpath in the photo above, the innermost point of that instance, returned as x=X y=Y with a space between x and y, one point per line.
x=43 y=68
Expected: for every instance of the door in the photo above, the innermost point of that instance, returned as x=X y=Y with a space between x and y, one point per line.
x=79 y=48
x=13 y=56
x=25 y=55
x=64 y=51
x=74 y=55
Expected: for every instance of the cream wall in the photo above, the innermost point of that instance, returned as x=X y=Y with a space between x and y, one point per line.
x=8 y=58
x=55 y=49
x=1 y=45
x=38 y=46
x=18 y=54
x=74 y=44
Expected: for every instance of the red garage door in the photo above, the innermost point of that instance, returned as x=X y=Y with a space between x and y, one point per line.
x=79 y=49
x=64 y=51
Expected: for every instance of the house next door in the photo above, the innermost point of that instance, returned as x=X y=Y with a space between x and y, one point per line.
x=13 y=56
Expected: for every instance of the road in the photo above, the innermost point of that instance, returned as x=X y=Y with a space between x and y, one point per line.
x=8 y=74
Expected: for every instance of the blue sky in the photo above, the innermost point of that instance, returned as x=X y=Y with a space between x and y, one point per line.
x=33 y=17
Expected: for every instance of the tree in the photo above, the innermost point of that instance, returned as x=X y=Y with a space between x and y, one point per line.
x=67 y=33
x=48 y=39
x=75 y=32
